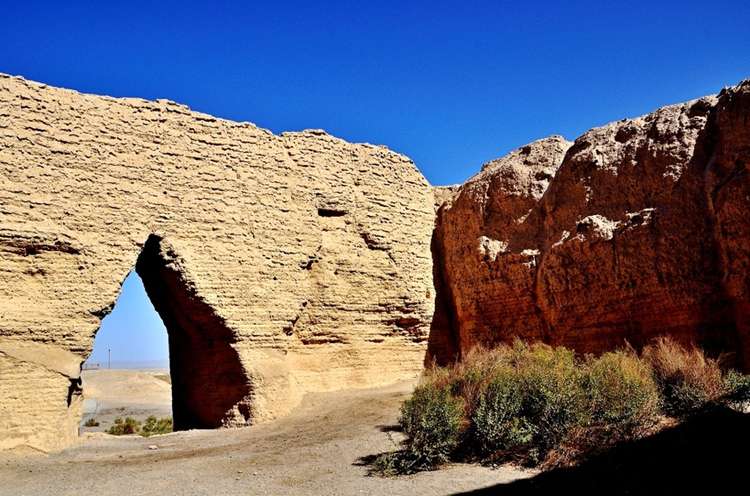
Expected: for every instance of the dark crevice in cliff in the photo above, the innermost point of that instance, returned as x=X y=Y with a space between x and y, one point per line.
x=330 y=212
x=443 y=344
x=540 y=298
x=544 y=247
x=208 y=380
x=74 y=390
x=739 y=170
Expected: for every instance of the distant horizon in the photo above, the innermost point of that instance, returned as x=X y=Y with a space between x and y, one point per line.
x=131 y=364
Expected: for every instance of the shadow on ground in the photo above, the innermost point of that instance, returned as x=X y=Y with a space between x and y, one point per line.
x=708 y=453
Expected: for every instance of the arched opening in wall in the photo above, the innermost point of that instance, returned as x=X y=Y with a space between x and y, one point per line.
x=127 y=374
x=209 y=386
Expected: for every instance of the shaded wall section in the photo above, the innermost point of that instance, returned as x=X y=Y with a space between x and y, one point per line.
x=209 y=386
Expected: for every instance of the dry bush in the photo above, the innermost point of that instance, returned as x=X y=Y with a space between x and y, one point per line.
x=689 y=381
x=546 y=406
x=622 y=395
x=469 y=376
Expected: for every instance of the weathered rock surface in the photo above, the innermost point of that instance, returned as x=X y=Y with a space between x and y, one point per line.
x=280 y=264
x=295 y=263
x=639 y=228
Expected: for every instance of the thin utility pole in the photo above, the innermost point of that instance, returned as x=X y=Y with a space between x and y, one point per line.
x=110 y=359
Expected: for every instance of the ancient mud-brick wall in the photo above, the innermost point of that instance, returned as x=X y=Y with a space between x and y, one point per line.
x=280 y=264
x=638 y=228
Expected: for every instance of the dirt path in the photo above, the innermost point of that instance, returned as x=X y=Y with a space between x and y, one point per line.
x=315 y=450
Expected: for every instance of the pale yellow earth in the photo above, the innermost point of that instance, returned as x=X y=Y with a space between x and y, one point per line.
x=109 y=394
x=317 y=449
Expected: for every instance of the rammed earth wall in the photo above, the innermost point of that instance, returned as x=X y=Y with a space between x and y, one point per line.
x=280 y=264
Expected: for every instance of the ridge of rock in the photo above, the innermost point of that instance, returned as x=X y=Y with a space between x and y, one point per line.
x=642 y=229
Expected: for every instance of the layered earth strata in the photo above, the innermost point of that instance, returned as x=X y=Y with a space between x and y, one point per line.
x=294 y=263
x=279 y=264
x=637 y=229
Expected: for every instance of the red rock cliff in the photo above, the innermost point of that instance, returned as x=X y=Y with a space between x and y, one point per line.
x=638 y=228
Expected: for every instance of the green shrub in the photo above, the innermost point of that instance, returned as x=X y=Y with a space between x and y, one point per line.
x=554 y=401
x=499 y=424
x=389 y=464
x=543 y=405
x=433 y=421
x=92 y=422
x=622 y=395
x=157 y=426
x=121 y=428
x=737 y=390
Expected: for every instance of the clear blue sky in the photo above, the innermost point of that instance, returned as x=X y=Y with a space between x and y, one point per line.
x=450 y=84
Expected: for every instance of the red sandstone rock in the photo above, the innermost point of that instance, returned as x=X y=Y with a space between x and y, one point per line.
x=643 y=230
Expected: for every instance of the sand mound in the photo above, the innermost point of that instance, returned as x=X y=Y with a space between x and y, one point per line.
x=127 y=386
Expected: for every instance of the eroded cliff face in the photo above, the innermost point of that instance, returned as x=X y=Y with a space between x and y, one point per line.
x=638 y=228
x=294 y=263
x=279 y=264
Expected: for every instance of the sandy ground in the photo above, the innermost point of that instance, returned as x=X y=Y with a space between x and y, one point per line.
x=317 y=449
x=109 y=394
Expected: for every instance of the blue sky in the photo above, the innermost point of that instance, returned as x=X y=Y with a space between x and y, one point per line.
x=133 y=332
x=450 y=84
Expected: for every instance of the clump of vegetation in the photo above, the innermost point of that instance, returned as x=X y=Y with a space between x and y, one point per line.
x=689 y=382
x=157 y=426
x=621 y=393
x=528 y=402
x=123 y=427
x=737 y=390
x=539 y=405
x=151 y=427
x=622 y=402
x=92 y=422
x=433 y=421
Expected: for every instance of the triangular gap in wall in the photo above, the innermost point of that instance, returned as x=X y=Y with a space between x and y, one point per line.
x=127 y=374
